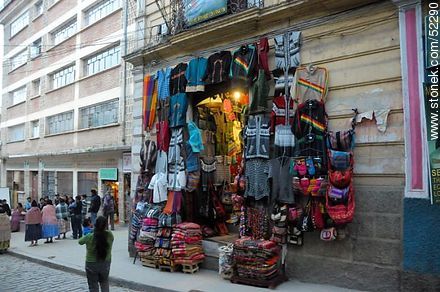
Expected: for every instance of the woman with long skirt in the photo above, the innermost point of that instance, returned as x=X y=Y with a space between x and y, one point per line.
x=50 y=223
x=33 y=224
x=5 y=230
x=16 y=217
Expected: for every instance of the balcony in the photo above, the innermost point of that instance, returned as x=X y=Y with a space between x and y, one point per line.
x=178 y=19
x=240 y=23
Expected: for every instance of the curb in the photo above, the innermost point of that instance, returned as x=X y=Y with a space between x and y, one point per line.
x=113 y=280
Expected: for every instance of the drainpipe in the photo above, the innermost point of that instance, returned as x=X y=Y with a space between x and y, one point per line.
x=124 y=73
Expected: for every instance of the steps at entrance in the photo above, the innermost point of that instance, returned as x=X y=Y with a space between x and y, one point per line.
x=211 y=245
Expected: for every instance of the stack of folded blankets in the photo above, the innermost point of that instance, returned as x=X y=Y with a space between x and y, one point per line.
x=163 y=246
x=186 y=243
x=147 y=236
x=256 y=259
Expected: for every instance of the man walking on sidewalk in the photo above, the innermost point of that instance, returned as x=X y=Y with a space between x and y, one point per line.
x=108 y=208
x=76 y=209
x=95 y=204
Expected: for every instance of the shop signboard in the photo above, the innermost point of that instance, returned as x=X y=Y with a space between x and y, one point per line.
x=432 y=104
x=108 y=174
x=126 y=162
x=197 y=11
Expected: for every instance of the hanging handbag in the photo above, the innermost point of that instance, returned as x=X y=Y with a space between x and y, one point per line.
x=341 y=140
x=341 y=213
x=338 y=195
x=340 y=160
x=305 y=222
x=340 y=178
x=317 y=216
x=226 y=195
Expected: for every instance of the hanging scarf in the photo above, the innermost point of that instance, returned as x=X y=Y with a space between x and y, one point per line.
x=149 y=102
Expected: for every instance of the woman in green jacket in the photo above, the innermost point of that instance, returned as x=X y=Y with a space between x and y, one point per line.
x=98 y=258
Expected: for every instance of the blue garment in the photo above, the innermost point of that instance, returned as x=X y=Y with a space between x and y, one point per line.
x=178 y=107
x=195 y=73
x=192 y=159
x=163 y=83
x=50 y=230
x=195 y=138
x=27 y=205
x=87 y=230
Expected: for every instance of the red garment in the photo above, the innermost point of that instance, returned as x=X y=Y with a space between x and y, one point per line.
x=278 y=115
x=33 y=216
x=263 y=62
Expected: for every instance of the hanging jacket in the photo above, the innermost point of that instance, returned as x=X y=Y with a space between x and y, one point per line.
x=218 y=67
x=178 y=108
x=287 y=50
x=257 y=135
x=278 y=115
x=243 y=64
x=163 y=83
x=195 y=73
x=177 y=79
x=311 y=83
x=263 y=60
x=310 y=118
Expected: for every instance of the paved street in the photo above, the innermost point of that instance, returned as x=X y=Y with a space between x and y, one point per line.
x=22 y=275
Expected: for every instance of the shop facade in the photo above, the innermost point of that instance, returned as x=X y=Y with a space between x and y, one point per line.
x=372 y=52
x=69 y=175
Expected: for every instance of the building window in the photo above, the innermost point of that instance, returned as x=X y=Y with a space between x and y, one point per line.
x=99 y=115
x=16 y=133
x=103 y=60
x=19 y=23
x=19 y=60
x=60 y=123
x=63 y=77
x=64 y=32
x=101 y=10
x=35 y=129
x=38 y=8
x=36 y=87
x=36 y=48
x=18 y=95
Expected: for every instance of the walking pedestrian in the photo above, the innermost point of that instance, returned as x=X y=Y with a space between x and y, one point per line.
x=108 y=209
x=76 y=211
x=16 y=216
x=5 y=229
x=95 y=204
x=6 y=207
x=62 y=212
x=98 y=256
x=27 y=204
x=50 y=223
x=33 y=224
x=84 y=206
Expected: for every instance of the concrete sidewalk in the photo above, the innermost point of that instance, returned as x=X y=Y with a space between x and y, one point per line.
x=70 y=256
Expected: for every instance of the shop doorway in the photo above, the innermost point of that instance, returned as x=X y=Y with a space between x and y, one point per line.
x=112 y=187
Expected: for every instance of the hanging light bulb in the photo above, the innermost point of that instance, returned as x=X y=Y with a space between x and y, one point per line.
x=237 y=95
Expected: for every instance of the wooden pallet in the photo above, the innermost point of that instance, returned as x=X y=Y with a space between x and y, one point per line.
x=271 y=284
x=167 y=268
x=191 y=268
x=149 y=262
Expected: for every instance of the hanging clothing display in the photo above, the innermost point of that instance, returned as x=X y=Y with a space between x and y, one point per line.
x=243 y=65
x=257 y=134
x=311 y=83
x=195 y=74
x=178 y=79
x=163 y=83
x=149 y=102
x=218 y=67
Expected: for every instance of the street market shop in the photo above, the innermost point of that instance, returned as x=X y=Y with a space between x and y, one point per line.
x=276 y=139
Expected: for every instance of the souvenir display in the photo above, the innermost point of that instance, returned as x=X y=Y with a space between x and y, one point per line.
x=229 y=159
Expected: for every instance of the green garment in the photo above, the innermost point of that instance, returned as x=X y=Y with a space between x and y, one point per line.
x=89 y=241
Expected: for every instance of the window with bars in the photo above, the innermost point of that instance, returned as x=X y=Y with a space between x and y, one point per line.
x=63 y=77
x=16 y=133
x=103 y=60
x=99 y=114
x=35 y=129
x=36 y=87
x=18 y=95
x=101 y=10
x=59 y=123
x=36 y=48
x=64 y=32
x=19 y=23
x=18 y=60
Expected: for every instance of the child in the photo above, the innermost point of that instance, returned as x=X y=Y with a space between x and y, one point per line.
x=87 y=226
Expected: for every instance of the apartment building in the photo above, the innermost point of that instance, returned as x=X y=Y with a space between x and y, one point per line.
x=65 y=103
